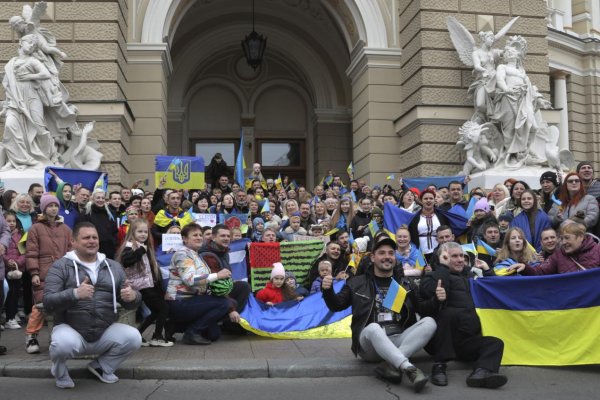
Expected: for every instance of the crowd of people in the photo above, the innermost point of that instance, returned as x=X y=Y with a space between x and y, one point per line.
x=79 y=254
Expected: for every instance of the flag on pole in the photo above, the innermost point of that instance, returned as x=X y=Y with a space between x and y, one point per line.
x=394 y=299
x=240 y=163
x=350 y=170
x=266 y=208
x=469 y=248
x=390 y=177
x=101 y=184
x=420 y=262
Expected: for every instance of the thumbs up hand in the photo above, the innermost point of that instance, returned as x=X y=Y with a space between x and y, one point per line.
x=440 y=292
x=128 y=294
x=85 y=290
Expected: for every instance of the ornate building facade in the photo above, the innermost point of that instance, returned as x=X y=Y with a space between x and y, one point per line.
x=377 y=82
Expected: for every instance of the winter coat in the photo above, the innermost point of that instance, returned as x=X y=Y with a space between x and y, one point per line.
x=270 y=294
x=588 y=255
x=588 y=204
x=476 y=229
x=46 y=243
x=13 y=253
x=106 y=226
x=139 y=274
x=360 y=219
x=91 y=317
x=215 y=170
x=5 y=239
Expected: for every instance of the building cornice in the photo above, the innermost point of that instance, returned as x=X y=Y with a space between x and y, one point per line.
x=150 y=53
x=363 y=57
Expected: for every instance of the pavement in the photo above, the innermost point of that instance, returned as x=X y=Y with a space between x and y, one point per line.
x=232 y=357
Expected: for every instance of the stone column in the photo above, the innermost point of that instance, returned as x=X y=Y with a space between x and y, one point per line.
x=375 y=76
x=332 y=143
x=560 y=102
x=148 y=69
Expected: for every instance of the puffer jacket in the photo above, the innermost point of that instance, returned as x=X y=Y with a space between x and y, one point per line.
x=271 y=294
x=588 y=255
x=89 y=317
x=588 y=204
x=46 y=243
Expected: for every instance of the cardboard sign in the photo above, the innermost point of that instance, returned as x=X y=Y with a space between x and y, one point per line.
x=171 y=241
x=205 y=219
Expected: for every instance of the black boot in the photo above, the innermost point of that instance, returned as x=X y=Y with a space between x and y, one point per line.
x=483 y=378
x=438 y=374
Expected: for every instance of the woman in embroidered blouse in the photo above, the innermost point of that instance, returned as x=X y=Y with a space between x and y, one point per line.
x=191 y=306
x=422 y=227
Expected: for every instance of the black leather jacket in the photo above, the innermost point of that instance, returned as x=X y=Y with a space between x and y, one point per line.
x=359 y=292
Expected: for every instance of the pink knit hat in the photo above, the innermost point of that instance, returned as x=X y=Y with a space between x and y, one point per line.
x=482 y=204
x=277 y=270
x=46 y=200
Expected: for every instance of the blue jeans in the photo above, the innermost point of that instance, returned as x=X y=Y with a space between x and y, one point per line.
x=200 y=314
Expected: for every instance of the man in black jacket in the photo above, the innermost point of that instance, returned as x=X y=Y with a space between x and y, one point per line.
x=458 y=334
x=379 y=333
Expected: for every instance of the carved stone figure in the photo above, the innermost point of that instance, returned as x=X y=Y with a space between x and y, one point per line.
x=483 y=59
x=40 y=124
x=507 y=107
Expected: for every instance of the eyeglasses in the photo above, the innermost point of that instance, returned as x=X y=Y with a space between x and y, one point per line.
x=573 y=181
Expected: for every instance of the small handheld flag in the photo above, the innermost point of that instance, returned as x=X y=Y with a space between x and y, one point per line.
x=484 y=248
x=469 y=248
x=555 y=200
x=420 y=262
x=350 y=170
x=390 y=177
x=394 y=299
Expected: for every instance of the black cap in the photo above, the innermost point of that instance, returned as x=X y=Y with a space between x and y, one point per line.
x=384 y=240
x=549 y=176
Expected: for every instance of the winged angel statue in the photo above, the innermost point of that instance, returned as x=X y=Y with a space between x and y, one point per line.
x=40 y=127
x=506 y=129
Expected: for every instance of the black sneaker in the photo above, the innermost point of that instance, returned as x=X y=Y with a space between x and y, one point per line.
x=438 y=374
x=416 y=377
x=2 y=350
x=483 y=378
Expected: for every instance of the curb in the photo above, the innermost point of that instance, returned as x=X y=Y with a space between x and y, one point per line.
x=215 y=369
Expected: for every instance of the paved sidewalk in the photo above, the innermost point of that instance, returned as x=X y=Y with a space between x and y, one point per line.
x=246 y=356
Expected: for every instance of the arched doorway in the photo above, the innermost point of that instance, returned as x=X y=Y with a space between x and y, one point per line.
x=301 y=103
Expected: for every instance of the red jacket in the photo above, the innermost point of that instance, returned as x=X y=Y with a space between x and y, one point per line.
x=270 y=294
x=588 y=255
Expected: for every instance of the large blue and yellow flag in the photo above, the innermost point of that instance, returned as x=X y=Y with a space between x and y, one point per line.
x=85 y=178
x=394 y=218
x=421 y=183
x=179 y=172
x=306 y=319
x=545 y=320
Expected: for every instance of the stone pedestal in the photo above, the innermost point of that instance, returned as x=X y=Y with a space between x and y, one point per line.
x=19 y=181
x=489 y=178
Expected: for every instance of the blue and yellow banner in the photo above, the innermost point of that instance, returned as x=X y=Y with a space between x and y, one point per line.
x=85 y=178
x=306 y=319
x=179 y=172
x=547 y=320
x=394 y=218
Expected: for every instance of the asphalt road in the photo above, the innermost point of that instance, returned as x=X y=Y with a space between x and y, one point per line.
x=524 y=383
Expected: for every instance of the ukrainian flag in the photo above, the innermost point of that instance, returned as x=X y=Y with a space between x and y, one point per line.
x=547 y=320
x=307 y=319
x=394 y=218
x=180 y=172
x=501 y=268
x=469 y=248
x=484 y=248
x=420 y=262
x=394 y=299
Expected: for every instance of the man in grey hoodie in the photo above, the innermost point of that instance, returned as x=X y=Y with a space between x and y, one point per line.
x=82 y=290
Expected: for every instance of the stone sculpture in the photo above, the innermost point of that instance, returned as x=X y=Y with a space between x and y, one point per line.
x=40 y=124
x=506 y=106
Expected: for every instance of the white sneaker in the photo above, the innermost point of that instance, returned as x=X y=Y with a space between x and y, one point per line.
x=31 y=344
x=12 y=324
x=160 y=343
